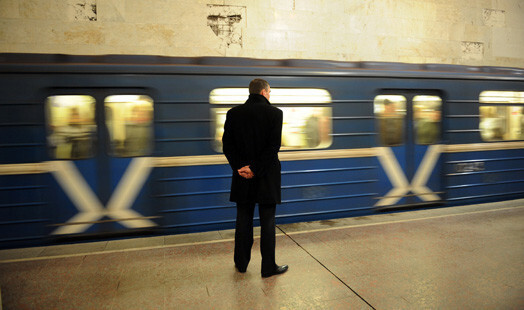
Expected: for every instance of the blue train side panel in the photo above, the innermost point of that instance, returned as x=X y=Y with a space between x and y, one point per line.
x=330 y=188
x=25 y=211
x=194 y=198
x=137 y=194
x=473 y=177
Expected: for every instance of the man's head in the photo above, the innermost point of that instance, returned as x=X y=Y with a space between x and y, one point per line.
x=259 y=87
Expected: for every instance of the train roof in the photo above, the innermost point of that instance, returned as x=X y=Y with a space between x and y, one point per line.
x=25 y=62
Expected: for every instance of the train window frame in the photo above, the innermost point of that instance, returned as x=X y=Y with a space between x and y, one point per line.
x=137 y=115
x=72 y=137
x=501 y=115
x=312 y=130
x=379 y=109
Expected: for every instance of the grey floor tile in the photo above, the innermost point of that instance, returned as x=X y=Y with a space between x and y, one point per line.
x=70 y=249
x=192 y=238
x=134 y=243
x=13 y=254
x=227 y=234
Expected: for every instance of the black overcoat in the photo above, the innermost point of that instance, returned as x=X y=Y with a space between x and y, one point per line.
x=252 y=136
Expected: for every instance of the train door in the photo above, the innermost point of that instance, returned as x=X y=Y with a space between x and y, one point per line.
x=409 y=133
x=99 y=143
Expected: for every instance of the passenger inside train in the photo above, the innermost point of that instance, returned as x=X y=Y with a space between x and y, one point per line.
x=71 y=126
x=427 y=119
x=390 y=112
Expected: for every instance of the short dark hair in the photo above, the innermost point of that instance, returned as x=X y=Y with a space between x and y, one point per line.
x=257 y=85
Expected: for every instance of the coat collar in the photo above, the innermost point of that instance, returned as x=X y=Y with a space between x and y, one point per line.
x=255 y=98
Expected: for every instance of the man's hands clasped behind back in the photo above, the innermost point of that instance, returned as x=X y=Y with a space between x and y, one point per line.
x=246 y=172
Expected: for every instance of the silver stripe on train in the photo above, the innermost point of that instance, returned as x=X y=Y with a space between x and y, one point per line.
x=219 y=159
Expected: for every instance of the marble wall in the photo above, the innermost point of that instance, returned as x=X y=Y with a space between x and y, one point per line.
x=471 y=32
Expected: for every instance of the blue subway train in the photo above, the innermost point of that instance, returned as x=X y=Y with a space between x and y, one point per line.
x=98 y=146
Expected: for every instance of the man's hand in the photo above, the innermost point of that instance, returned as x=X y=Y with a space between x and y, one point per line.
x=246 y=172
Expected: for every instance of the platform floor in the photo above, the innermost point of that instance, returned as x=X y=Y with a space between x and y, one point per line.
x=469 y=257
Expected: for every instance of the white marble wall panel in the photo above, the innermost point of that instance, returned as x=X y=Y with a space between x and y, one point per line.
x=508 y=42
x=42 y=9
x=111 y=11
x=480 y=32
x=9 y=9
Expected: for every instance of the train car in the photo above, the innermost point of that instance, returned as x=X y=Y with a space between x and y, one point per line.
x=101 y=146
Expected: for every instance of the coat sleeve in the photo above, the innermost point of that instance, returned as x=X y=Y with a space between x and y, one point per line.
x=228 y=144
x=270 y=153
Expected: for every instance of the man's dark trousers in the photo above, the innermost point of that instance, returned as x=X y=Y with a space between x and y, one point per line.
x=244 y=235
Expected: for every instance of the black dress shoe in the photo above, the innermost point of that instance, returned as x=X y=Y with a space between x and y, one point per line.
x=277 y=270
x=241 y=270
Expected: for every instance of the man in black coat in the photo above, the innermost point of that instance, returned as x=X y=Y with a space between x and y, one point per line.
x=251 y=141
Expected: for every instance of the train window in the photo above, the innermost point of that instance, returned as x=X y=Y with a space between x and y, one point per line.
x=129 y=123
x=426 y=117
x=71 y=126
x=306 y=119
x=499 y=123
x=503 y=121
x=504 y=97
x=278 y=96
x=306 y=127
x=390 y=111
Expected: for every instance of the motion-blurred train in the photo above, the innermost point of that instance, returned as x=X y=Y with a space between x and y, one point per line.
x=96 y=146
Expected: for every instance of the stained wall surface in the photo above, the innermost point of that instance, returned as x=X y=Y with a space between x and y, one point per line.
x=478 y=32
